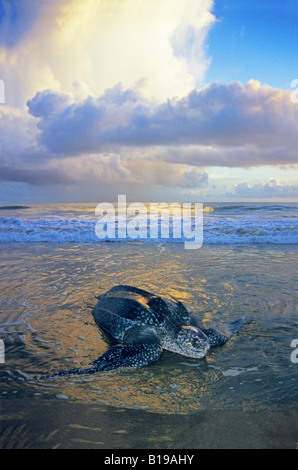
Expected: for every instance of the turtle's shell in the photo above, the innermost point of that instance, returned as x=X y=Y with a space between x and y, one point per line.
x=143 y=308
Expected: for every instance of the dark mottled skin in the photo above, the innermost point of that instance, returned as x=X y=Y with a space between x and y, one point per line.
x=143 y=324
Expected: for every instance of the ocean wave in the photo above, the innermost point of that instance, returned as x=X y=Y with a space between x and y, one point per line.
x=216 y=230
x=258 y=208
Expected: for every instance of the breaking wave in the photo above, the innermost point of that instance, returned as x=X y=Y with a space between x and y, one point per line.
x=222 y=224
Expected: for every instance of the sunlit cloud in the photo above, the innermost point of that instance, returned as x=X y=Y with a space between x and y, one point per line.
x=88 y=46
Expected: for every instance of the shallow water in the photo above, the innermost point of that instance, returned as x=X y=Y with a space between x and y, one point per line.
x=243 y=394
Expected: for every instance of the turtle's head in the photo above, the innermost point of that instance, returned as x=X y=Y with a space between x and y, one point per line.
x=191 y=342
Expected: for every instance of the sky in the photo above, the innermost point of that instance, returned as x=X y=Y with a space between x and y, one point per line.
x=161 y=100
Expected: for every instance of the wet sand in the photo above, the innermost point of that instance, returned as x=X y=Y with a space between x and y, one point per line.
x=53 y=424
x=243 y=395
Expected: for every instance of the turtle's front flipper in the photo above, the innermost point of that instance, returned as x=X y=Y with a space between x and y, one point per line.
x=215 y=338
x=77 y=370
x=143 y=347
x=222 y=333
x=128 y=355
x=236 y=325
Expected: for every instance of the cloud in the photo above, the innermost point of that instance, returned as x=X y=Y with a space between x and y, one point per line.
x=35 y=176
x=222 y=124
x=157 y=172
x=17 y=17
x=272 y=189
x=24 y=159
x=157 y=46
x=17 y=130
x=122 y=137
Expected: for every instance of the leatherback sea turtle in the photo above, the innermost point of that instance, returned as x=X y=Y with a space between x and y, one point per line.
x=143 y=324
